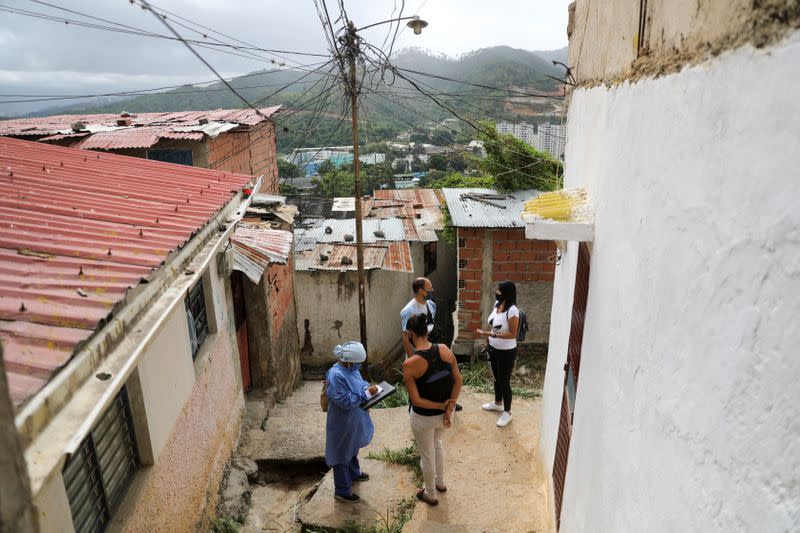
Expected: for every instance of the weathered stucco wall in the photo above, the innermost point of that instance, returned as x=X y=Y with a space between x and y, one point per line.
x=687 y=404
x=180 y=491
x=606 y=36
x=329 y=301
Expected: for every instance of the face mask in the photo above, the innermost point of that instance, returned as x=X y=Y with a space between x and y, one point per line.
x=498 y=297
x=429 y=296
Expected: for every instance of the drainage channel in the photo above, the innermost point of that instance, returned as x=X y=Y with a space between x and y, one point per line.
x=278 y=491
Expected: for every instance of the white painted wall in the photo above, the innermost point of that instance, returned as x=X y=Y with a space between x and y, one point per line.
x=688 y=406
x=52 y=507
x=167 y=375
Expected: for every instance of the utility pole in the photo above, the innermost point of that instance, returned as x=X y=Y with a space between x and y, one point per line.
x=351 y=45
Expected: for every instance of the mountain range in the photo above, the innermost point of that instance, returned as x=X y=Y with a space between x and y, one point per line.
x=460 y=90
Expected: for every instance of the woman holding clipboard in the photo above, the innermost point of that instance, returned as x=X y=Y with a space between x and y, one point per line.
x=433 y=382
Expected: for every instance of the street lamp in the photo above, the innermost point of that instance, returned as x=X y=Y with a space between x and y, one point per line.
x=350 y=42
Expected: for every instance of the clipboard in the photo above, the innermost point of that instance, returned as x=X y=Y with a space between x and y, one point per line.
x=387 y=391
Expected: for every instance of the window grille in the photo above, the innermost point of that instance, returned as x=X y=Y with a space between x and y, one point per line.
x=97 y=476
x=462 y=283
x=197 y=317
x=462 y=263
x=462 y=243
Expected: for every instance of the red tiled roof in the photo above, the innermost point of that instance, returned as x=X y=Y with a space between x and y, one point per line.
x=77 y=230
x=102 y=132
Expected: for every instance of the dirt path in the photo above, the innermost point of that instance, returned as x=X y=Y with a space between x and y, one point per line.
x=492 y=478
x=493 y=481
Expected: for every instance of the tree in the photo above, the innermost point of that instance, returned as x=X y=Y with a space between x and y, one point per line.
x=336 y=183
x=516 y=165
x=287 y=169
x=437 y=162
x=325 y=167
x=459 y=181
x=419 y=137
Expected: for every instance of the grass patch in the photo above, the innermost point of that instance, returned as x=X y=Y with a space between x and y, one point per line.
x=225 y=525
x=526 y=381
x=392 y=521
x=398 y=399
x=408 y=456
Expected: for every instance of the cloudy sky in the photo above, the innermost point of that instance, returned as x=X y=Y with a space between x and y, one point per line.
x=51 y=57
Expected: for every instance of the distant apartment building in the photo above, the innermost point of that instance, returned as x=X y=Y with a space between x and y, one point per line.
x=551 y=138
x=548 y=138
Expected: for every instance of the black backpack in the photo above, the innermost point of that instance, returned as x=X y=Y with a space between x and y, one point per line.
x=522 y=330
x=435 y=335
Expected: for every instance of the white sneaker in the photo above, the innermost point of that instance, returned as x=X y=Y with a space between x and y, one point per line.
x=504 y=419
x=491 y=406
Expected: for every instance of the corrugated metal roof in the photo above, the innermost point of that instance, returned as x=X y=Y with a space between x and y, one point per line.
x=395 y=256
x=101 y=132
x=486 y=208
x=420 y=205
x=77 y=230
x=255 y=248
x=307 y=238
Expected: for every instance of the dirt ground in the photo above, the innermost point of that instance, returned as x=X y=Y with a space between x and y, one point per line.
x=494 y=481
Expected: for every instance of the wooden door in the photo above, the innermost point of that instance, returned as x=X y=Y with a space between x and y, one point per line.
x=571 y=371
x=239 y=317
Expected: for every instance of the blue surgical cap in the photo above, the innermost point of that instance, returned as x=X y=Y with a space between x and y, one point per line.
x=350 y=352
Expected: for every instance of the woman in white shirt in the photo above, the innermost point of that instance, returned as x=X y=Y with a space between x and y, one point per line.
x=502 y=345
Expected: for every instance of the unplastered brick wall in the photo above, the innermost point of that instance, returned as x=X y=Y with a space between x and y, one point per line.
x=251 y=152
x=488 y=256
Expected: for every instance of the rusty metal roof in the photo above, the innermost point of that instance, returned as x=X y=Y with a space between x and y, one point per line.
x=486 y=208
x=77 y=230
x=420 y=205
x=256 y=247
x=335 y=230
x=395 y=256
x=102 y=132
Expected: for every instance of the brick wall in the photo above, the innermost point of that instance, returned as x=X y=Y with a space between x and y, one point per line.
x=519 y=259
x=513 y=257
x=251 y=151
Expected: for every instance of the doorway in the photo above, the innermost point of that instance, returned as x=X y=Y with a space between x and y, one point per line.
x=571 y=371
x=240 y=322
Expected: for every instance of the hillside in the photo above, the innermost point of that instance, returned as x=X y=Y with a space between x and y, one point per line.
x=388 y=111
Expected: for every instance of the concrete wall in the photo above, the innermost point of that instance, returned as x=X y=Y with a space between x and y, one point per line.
x=16 y=509
x=614 y=40
x=167 y=379
x=272 y=329
x=329 y=302
x=193 y=415
x=687 y=402
x=489 y=256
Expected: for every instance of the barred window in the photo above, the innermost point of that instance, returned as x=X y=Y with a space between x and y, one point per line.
x=97 y=476
x=462 y=283
x=197 y=316
x=462 y=263
x=461 y=243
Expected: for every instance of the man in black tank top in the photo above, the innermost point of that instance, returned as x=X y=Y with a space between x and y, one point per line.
x=433 y=381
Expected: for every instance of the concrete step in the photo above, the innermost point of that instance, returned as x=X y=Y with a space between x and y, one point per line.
x=389 y=490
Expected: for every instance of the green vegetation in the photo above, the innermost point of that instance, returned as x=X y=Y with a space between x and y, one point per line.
x=398 y=399
x=408 y=456
x=287 y=169
x=515 y=165
x=526 y=381
x=225 y=525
